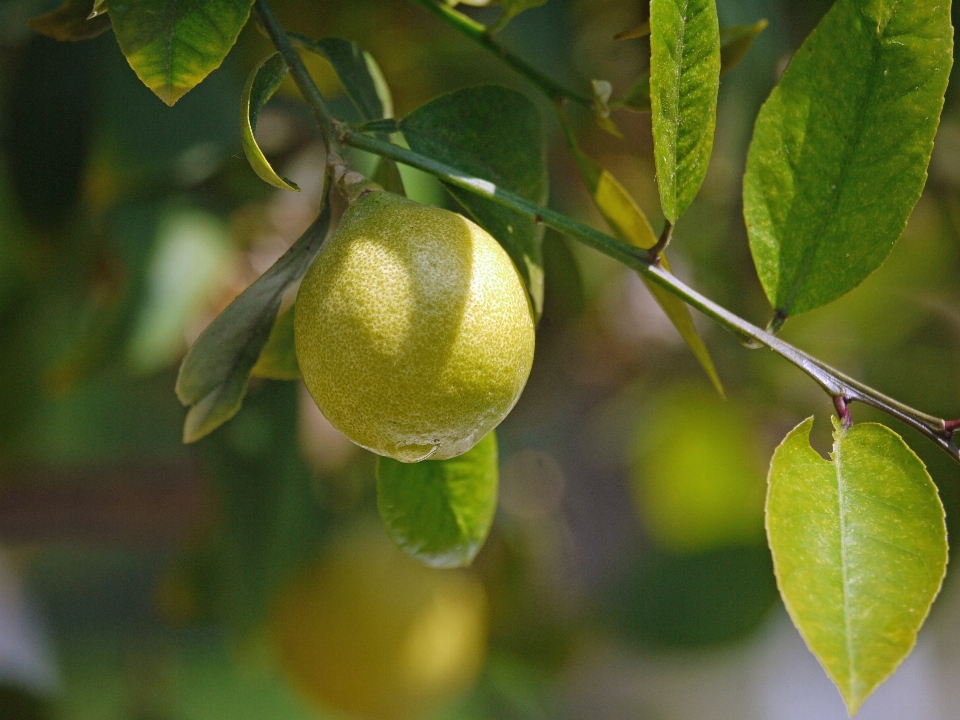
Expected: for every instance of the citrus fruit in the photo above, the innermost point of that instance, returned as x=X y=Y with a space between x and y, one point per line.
x=413 y=330
x=369 y=633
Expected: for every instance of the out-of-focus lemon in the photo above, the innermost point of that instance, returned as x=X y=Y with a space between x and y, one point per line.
x=413 y=330
x=369 y=633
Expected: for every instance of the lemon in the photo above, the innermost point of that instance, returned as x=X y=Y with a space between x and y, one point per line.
x=413 y=330
x=369 y=633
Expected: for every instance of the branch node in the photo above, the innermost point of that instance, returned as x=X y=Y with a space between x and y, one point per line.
x=843 y=411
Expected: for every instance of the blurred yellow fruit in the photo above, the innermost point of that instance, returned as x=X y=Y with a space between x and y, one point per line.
x=369 y=633
x=698 y=478
x=413 y=330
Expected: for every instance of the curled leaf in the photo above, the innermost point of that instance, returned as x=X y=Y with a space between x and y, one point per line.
x=261 y=85
x=213 y=376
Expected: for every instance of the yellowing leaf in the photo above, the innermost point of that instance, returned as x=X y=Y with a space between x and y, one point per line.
x=173 y=45
x=859 y=549
x=261 y=85
x=631 y=225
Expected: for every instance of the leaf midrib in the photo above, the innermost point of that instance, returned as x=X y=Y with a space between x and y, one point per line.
x=676 y=104
x=811 y=252
x=841 y=504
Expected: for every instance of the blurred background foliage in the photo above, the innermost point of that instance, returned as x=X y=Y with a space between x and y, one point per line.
x=627 y=573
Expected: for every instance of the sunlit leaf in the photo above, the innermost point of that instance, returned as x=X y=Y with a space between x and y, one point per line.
x=440 y=511
x=840 y=149
x=684 y=81
x=173 y=45
x=71 y=21
x=495 y=134
x=359 y=73
x=261 y=85
x=859 y=547
x=278 y=359
x=630 y=224
x=213 y=376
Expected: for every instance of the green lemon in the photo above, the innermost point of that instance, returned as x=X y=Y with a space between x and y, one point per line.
x=413 y=330
x=368 y=633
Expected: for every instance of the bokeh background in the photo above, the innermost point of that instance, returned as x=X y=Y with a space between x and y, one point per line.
x=627 y=574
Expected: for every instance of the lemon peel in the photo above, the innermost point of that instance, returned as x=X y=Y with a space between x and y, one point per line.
x=413 y=331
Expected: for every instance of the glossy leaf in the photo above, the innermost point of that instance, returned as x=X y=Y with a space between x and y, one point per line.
x=630 y=224
x=859 y=548
x=684 y=82
x=495 y=134
x=71 y=21
x=735 y=41
x=173 y=45
x=440 y=511
x=278 y=359
x=213 y=375
x=359 y=73
x=261 y=85
x=840 y=149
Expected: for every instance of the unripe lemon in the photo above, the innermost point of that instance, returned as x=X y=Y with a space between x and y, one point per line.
x=413 y=330
x=369 y=633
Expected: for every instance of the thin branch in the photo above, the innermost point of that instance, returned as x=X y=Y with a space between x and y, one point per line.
x=483 y=36
x=835 y=383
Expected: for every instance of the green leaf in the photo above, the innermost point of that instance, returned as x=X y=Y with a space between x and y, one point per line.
x=388 y=177
x=440 y=511
x=735 y=41
x=840 y=149
x=261 y=85
x=684 y=82
x=173 y=45
x=512 y=8
x=71 y=21
x=859 y=548
x=213 y=375
x=278 y=359
x=630 y=224
x=495 y=134
x=358 y=71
